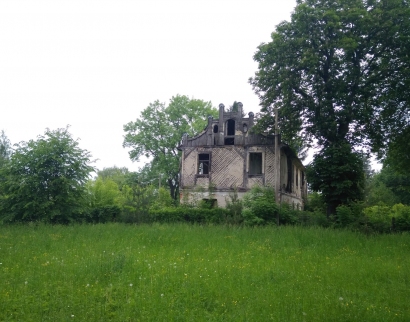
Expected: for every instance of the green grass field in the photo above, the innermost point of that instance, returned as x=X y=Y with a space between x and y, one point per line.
x=118 y=272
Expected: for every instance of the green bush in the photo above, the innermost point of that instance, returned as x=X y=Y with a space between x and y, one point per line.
x=190 y=215
x=377 y=218
x=260 y=206
x=288 y=215
x=401 y=217
x=104 y=214
x=350 y=215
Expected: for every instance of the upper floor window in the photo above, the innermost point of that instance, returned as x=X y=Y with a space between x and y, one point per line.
x=203 y=163
x=255 y=163
x=215 y=128
x=230 y=127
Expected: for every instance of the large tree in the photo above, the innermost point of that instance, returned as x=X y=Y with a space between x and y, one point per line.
x=5 y=149
x=339 y=73
x=45 y=179
x=157 y=133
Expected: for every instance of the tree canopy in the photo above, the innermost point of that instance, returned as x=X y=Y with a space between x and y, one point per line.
x=5 y=148
x=45 y=179
x=157 y=133
x=339 y=73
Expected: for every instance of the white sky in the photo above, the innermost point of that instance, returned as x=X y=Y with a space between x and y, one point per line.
x=95 y=65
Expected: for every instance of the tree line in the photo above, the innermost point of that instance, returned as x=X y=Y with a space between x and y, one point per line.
x=338 y=73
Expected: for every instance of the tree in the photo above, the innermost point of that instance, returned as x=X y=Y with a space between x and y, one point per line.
x=5 y=149
x=45 y=179
x=339 y=73
x=158 y=132
x=119 y=175
x=398 y=153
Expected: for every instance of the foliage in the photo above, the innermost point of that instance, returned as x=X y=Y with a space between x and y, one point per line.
x=5 y=149
x=401 y=215
x=338 y=174
x=45 y=179
x=234 y=206
x=315 y=202
x=259 y=206
x=120 y=176
x=388 y=187
x=158 y=132
x=104 y=200
x=378 y=218
x=339 y=74
x=189 y=215
x=137 y=201
x=163 y=199
x=398 y=153
x=288 y=215
x=349 y=215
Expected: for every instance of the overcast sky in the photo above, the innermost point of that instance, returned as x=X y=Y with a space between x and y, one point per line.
x=95 y=65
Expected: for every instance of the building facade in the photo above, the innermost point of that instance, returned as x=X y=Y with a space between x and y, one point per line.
x=227 y=157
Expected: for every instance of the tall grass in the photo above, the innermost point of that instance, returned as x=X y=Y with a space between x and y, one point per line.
x=201 y=273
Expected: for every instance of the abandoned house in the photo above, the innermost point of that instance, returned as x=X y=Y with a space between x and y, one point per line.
x=228 y=157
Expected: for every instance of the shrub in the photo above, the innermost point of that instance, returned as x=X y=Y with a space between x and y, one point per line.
x=377 y=218
x=260 y=206
x=187 y=214
x=400 y=217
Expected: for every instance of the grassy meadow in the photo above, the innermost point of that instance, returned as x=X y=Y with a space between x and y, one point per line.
x=118 y=272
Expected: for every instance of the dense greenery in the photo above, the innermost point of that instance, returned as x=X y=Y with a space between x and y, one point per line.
x=5 y=149
x=158 y=131
x=44 y=179
x=339 y=74
x=180 y=272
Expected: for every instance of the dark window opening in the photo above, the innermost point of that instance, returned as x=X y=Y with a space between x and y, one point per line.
x=290 y=176
x=297 y=177
x=230 y=127
x=210 y=203
x=203 y=163
x=255 y=163
x=229 y=141
x=215 y=128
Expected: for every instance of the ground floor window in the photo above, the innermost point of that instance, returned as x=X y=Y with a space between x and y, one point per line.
x=210 y=203
x=255 y=163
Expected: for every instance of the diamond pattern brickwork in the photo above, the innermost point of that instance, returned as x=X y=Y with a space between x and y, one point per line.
x=227 y=167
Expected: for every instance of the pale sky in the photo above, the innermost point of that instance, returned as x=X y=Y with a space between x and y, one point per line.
x=95 y=65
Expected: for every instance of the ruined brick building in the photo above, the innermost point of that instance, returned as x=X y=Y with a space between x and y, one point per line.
x=227 y=156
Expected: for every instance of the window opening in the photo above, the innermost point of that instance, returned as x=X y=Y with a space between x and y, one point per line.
x=215 y=128
x=229 y=141
x=245 y=128
x=289 y=185
x=210 y=203
x=297 y=177
x=255 y=163
x=203 y=163
x=230 y=127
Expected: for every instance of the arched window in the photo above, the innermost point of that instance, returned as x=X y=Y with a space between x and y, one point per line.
x=215 y=128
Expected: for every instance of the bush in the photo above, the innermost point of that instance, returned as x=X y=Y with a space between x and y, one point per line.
x=377 y=218
x=260 y=206
x=104 y=214
x=187 y=214
x=350 y=215
x=400 y=217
